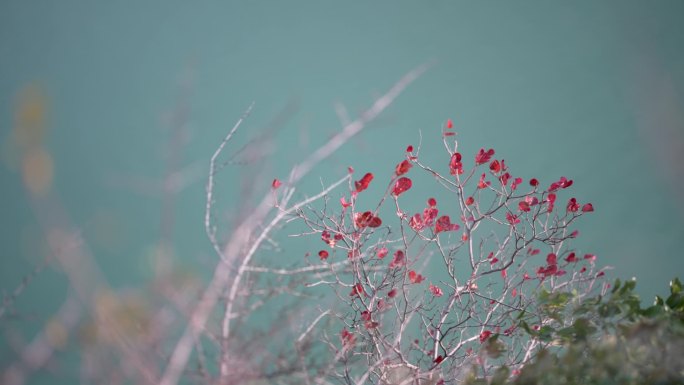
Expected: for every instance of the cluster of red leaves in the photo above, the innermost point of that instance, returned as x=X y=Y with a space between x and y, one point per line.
x=527 y=204
x=455 y=164
x=532 y=203
x=368 y=321
x=551 y=200
x=573 y=206
x=357 y=290
x=560 y=184
x=484 y=156
x=366 y=219
x=551 y=267
x=483 y=183
x=348 y=339
x=444 y=224
x=418 y=222
x=512 y=218
x=330 y=240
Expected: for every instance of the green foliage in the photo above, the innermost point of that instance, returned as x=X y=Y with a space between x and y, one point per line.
x=613 y=340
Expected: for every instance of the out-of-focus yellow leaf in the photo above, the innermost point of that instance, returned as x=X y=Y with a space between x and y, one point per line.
x=56 y=333
x=37 y=170
x=29 y=129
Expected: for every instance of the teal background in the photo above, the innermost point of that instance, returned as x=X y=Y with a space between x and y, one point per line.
x=592 y=90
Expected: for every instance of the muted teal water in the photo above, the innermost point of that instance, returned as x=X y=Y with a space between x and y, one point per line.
x=590 y=90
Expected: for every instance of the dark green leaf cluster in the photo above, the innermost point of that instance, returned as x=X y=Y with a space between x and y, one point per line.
x=613 y=340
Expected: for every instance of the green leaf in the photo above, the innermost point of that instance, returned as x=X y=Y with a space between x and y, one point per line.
x=616 y=285
x=658 y=301
x=527 y=329
x=675 y=301
x=675 y=286
x=545 y=333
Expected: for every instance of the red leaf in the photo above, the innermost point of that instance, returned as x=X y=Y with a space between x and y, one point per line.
x=551 y=259
x=573 y=206
x=484 y=335
x=392 y=293
x=416 y=222
x=364 y=182
x=344 y=203
x=429 y=215
x=403 y=167
x=469 y=201
x=524 y=206
x=436 y=291
x=409 y=148
x=482 y=183
x=449 y=133
x=551 y=199
x=415 y=277
x=382 y=252
x=398 y=260
x=571 y=258
x=512 y=219
x=382 y=305
x=323 y=254
x=455 y=165
x=432 y=202
x=495 y=166
x=483 y=156
x=444 y=224
x=366 y=315
x=587 y=208
x=561 y=183
x=348 y=339
x=276 y=183
x=504 y=178
x=357 y=290
x=401 y=185
x=449 y=124
x=515 y=183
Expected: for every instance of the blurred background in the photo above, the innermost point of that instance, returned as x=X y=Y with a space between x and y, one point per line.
x=110 y=111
